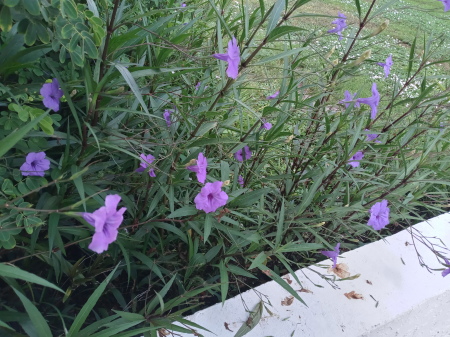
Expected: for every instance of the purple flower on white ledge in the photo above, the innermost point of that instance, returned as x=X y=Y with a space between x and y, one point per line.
x=379 y=215
x=332 y=254
x=445 y=272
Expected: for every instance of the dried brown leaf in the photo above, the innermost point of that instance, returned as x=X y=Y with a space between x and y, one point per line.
x=227 y=326
x=287 y=301
x=368 y=282
x=354 y=295
x=341 y=270
x=287 y=279
x=267 y=272
x=304 y=290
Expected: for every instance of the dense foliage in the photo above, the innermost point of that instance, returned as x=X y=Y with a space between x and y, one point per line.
x=159 y=155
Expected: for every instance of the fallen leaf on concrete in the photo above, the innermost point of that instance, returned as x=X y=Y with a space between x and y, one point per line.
x=304 y=290
x=267 y=272
x=287 y=279
x=354 y=295
x=368 y=282
x=287 y=301
x=341 y=270
x=227 y=326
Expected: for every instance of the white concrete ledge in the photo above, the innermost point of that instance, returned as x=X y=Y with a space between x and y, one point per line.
x=403 y=299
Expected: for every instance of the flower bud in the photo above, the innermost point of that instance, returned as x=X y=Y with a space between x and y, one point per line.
x=363 y=57
x=289 y=139
x=335 y=63
x=226 y=183
x=330 y=52
x=380 y=28
x=192 y=162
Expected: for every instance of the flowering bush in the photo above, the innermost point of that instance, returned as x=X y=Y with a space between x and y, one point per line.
x=284 y=167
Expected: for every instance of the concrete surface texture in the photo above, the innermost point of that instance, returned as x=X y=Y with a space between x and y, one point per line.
x=393 y=296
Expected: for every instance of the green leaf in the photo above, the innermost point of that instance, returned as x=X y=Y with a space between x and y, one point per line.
x=411 y=57
x=278 y=8
x=183 y=211
x=40 y=324
x=88 y=306
x=133 y=85
x=17 y=273
x=252 y=321
x=32 y=6
x=5 y=19
x=208 y=225
x=89 y=46
x=68 y=8
x=283 y=30
x=10 y=3
x=358 y=8
x=248 y=199
x=281 y=55
x=224 y=281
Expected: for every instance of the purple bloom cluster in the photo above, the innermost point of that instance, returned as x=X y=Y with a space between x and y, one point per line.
x=241 y=181
x=372 y=137
x=106 y=221
x=340 y=23
x=146 y=161
x=445 y=272
x=211 y=197
x=233 y=57
x=35 y=164
x=52 y=94
x=446 y=4
x=243 y=154
x=166 y=116
x=200 y=168
x=275 y=95
x=332 y=254
x=348 y=98
x=354 y=160
x=372 y=101
x=387 y=65
x=379 y=215
x=265 y=124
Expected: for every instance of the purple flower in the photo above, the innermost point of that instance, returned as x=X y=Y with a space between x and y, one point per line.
x=332 y=254
x=106 y=221
x=166 y=116
x=275 y=95
x=445 y=272
x=348 y=98
x=200 y=168
x=372 y=101
x=266 y=125
x=446 y=4
x=243 y=154
x=241 y=181
x=147 y=160
x=387 y=65
x=51 y=94
x=35 y=164
x=372 y=136
x=211 y=197
x=183 y=5
x=354 y=160
x=340 y=25
x=197 y=86
x=233 y=57
x=379 y=215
